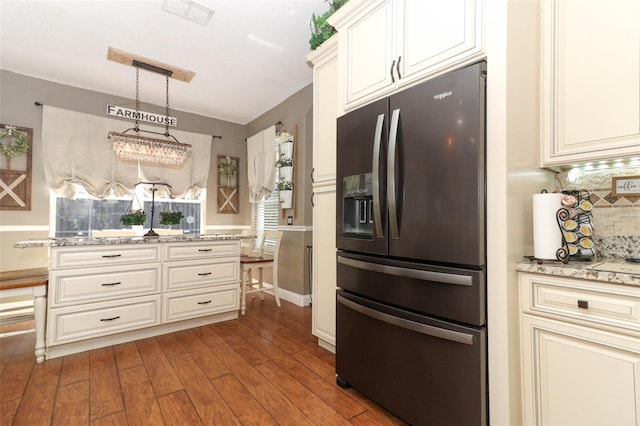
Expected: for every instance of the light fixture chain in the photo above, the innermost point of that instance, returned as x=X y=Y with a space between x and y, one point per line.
x=137 y=96
x=166 y=120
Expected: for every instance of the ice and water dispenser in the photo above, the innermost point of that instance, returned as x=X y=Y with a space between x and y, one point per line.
x=358 y=206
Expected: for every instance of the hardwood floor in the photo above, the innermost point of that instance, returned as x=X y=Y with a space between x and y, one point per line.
x=262 y=369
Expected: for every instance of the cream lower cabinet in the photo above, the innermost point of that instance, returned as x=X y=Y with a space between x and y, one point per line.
x=103 y=295
x=590 y=65
x=580 y=346
x=324 y=266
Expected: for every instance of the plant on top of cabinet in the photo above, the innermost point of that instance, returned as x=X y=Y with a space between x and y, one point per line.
x=321 y=31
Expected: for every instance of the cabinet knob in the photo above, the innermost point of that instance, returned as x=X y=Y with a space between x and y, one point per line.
x=584 y=304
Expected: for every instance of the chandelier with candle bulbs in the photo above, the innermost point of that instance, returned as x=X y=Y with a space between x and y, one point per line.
x=133 y=147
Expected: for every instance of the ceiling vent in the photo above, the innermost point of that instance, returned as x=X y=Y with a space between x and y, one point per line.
x=189 y=10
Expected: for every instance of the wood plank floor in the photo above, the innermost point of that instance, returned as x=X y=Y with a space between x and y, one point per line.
x=262 y=369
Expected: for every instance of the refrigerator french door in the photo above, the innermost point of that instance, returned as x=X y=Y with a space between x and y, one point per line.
x=422 y=150
x=411 y=329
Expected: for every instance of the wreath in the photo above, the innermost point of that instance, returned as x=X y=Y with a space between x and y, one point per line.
x=228 y=168
x=20 y=145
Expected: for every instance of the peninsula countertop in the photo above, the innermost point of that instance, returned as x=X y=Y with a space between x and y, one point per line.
x=88 y=241
x=614 y=271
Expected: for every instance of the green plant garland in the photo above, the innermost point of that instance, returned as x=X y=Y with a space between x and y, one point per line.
x=19 y=147
x=228 y=168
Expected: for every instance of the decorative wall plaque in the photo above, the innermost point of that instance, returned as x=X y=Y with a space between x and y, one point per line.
x=16 y=145
x=228 y=197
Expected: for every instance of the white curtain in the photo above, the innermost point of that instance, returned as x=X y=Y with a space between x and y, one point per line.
x=261 y=159
x=77 y=151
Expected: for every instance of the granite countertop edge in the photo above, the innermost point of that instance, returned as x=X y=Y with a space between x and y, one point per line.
x=579 y=270
x=86 y=241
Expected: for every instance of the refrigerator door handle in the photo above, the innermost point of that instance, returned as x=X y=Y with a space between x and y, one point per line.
x=391 y=175
x=418 y=274
x=375 y=170
x=429 y=330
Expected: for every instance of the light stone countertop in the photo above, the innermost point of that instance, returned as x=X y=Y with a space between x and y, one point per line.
x=583 y=270
x=87 y=241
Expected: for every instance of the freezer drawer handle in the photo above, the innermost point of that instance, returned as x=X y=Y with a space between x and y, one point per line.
x=429 y=330
x=418 y=274
x=375 y=170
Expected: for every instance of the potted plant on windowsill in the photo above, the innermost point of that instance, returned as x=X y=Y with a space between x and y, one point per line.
x=170 y=218
x=138 y=217
x=285 y=193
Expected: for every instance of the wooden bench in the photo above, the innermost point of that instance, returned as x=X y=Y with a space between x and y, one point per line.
x=29 y=282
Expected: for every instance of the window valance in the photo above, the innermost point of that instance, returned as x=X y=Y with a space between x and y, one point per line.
x=77 y=151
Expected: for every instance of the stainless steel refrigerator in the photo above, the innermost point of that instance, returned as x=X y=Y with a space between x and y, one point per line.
x=411 y=328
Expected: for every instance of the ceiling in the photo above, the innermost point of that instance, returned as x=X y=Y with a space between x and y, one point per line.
x=249 y=58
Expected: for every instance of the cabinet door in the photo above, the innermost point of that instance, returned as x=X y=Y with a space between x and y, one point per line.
x=324 y=264
x=590 y=84
x=577 y=375
x=367 y=52
x=437 y=34
x=325 y=111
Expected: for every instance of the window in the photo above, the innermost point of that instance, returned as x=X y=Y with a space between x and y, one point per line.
x=264 y=214
x=84 y=214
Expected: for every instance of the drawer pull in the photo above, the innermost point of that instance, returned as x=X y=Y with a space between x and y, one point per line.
x=204 y=303
x=110 y=284
x=111 y=255
x=203 y=274
x=584 y=304
x=204 y=249
x=110 y=319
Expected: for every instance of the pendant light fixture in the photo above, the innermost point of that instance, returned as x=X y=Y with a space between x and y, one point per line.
x=133 y=147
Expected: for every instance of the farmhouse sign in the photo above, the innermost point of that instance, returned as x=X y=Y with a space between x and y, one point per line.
x=148 y=117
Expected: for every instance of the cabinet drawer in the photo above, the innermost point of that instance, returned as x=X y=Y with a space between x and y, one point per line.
x=78 y=257
x=74 y=323
x=179 y=251
x=71 y=287
x=186 y=304
x=585 y=301
x=198 y=273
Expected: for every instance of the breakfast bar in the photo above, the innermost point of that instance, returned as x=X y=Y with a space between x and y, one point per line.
x=104 y=291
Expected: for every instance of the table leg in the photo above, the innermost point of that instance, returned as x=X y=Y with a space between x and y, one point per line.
x=39 y=313
x=243 y=288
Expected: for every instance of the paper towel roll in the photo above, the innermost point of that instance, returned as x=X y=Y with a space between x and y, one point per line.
x=547 y=238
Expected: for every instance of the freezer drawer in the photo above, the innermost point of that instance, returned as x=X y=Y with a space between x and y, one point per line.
x=453 y=294
x=425 y=371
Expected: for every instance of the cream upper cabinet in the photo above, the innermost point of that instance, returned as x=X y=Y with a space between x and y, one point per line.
x=385 y=45
x=589 y=80
x=325 y=110
x=580 y=351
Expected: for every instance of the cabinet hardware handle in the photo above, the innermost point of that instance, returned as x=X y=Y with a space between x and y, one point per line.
x=204 y=303
x=110 y=319
x=393 y=79
x=109 y=284
x=313 y=169
x=203 y=274
x=584 y=304
x=111 y=255
x=204 y=249
x=313 y=204
x=398 y=67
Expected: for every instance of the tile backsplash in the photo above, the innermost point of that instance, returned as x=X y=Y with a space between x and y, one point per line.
x=616 y=219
